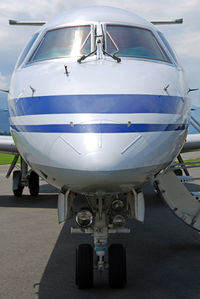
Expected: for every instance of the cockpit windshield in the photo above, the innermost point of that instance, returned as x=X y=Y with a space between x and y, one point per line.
x=133 y=42
x=64 y=42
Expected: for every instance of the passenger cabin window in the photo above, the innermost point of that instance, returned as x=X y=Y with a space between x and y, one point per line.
x=26 y=49
x=64 y=42
x=133 y=42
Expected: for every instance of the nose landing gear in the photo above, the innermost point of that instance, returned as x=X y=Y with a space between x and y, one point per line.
x=104 y=215
x=116 y=253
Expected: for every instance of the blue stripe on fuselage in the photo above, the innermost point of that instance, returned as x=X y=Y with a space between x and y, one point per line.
x=99 y=103
x=99 y=128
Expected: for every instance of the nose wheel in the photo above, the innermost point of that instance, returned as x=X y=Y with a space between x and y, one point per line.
x=117 y=266
x=84 y=266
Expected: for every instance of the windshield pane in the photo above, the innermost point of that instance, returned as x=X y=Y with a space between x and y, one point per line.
x=26 y=49
x=69 y=41
x=168 y=46
x=133 y=42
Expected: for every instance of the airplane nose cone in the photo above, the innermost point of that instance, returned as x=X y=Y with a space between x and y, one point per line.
x=101 y=161
x=95 y=151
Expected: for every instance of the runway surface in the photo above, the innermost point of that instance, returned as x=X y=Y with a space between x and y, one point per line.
x=37 y=254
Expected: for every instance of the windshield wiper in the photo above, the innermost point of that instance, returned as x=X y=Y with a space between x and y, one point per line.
x=103 y=48
x=94 y=52
x=86 y=56
x=112 y=55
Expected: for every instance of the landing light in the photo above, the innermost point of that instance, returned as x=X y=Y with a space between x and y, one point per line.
x=117 y=205
x=84 y=218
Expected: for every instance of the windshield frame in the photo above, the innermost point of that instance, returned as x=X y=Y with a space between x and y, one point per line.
x=168 y=48
x=155 y=36
x=40 y=39
x=26 y=50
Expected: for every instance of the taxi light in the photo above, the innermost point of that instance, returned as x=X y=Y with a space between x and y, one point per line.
x=117 y=205
x=84 y=218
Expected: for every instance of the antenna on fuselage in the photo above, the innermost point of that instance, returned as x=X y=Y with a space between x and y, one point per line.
x=173 y=22
x=4 y=90
x=27 y=23
x=192 y=89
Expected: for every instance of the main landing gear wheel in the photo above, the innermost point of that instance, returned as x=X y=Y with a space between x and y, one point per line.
x=84 y=266
x=17 y=187
x=33 y=184
x=117 y=266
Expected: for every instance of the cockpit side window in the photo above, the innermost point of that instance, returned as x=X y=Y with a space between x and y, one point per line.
x=64 y=42
x=167 y=45
x=134 y=42
x=26 y=49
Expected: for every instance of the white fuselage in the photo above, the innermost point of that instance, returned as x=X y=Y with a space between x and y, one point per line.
x=106 y=126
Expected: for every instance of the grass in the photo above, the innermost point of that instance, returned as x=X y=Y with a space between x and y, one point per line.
x=192 y=160
x=6 y=159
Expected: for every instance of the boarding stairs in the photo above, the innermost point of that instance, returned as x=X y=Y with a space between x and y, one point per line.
x=174 y=188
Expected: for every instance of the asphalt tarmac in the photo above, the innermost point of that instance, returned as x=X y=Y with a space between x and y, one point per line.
x=37 y=255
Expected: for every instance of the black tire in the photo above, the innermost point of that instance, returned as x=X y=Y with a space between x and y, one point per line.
x=17 y=177
x=84 y=266
x=76 y=276
x=33 y=184
x=18 y=192
x=125 y=269
x=117 y=266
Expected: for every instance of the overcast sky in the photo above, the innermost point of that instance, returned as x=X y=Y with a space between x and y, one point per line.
x=184 y=38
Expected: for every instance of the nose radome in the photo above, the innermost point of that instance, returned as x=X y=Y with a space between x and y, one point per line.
x=102 y=161
x=83 y=144
x=95 y=152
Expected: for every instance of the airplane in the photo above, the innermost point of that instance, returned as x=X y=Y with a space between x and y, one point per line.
x=99 y=106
